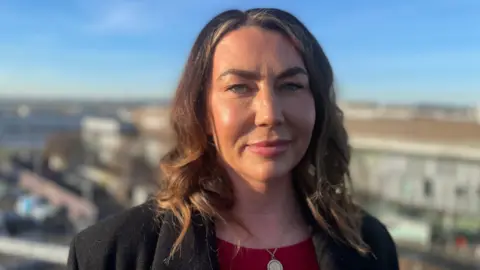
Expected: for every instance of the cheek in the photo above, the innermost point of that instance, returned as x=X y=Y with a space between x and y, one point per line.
x=303 y=115
x=226 y=121
x=310 y=115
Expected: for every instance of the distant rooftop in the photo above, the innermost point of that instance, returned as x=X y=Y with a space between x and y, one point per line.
x=442 y=112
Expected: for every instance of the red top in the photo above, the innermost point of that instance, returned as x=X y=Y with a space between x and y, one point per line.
x=300 y=256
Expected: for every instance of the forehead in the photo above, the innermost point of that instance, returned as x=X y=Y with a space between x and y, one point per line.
x=254 y=48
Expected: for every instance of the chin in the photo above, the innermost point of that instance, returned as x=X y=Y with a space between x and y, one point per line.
x=269 y=171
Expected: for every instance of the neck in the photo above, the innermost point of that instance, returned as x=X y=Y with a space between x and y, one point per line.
x=274 y=197
x=268 y=212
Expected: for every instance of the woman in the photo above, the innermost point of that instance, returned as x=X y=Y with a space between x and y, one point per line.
x=257 y=179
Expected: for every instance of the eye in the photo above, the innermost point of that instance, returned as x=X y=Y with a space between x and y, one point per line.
x=291 y=87
x=238 y=88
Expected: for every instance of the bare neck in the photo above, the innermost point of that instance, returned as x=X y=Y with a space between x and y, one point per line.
x=269 y=212
x=272 y=198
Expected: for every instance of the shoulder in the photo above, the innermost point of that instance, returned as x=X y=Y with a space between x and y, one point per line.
x=381 y=244
x=129 y=234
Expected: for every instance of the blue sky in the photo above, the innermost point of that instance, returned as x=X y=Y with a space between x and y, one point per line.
x=387 y=51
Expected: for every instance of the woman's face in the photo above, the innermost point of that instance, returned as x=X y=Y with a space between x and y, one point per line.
x=261 y=108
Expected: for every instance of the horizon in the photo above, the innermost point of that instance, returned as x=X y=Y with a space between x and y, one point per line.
x=405 y=52
x=166 y=101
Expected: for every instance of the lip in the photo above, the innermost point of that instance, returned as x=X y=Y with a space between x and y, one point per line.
x=269 y=148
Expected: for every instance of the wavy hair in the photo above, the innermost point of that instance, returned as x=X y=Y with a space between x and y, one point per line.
x=192 y=178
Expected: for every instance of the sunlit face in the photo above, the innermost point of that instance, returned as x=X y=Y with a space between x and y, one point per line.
x=261 y=108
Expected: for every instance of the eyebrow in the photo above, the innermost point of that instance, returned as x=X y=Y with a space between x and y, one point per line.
x=253 y=75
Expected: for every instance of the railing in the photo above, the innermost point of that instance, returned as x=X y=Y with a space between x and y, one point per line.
x=78 y=207
x=52 y=253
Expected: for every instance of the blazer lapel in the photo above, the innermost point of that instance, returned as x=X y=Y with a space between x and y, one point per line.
x=337 y=255
x=198 y=249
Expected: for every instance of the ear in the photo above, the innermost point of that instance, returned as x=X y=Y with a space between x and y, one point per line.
x=209 y=122
x=209 y=125
x=210 y=132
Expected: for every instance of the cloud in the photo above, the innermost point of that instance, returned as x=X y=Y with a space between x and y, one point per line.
x=122 y=17
x=145 y=16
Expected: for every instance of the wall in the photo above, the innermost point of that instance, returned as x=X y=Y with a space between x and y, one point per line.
x=454 y=183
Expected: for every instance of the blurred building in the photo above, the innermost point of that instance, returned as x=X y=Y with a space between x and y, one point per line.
x=421 y=176
x=156 y=135
x=120 y=155
x=478 y=113
x=369 y=110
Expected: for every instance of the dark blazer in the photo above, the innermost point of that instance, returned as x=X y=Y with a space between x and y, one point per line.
x=136 y=239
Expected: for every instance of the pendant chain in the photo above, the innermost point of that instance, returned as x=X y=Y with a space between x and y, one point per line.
x=274 y=264
x=272 y=253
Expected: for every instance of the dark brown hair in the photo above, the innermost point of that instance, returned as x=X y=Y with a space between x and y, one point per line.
x=192 y=179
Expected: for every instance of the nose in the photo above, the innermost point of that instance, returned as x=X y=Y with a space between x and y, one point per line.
x=268 y=107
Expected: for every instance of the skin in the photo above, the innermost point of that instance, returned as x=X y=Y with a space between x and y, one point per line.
x=259 y=90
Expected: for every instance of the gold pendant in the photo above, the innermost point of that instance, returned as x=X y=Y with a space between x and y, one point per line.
x=274 y=264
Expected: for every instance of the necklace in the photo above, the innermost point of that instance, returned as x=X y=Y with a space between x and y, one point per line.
x=274 y=264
